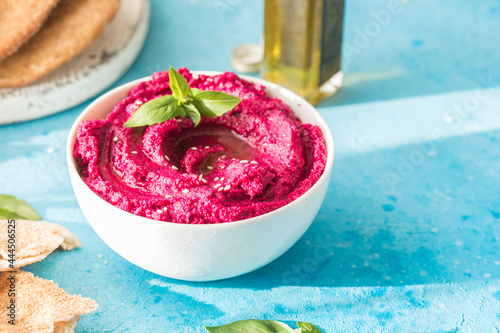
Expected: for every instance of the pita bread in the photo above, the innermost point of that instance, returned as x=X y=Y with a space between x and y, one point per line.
x=74 y=25
x=41 y=306
x=20 y=20
x=34 y=241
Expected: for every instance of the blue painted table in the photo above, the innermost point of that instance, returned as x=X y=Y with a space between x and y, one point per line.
x=408 y=238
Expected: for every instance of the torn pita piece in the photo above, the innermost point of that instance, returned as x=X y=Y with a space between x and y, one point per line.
x=40 y=305
x=33 y=242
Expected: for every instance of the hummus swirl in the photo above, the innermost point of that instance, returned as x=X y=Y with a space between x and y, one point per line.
x=254 y=159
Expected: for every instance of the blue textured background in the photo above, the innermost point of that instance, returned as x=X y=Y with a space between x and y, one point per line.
x=408 y=238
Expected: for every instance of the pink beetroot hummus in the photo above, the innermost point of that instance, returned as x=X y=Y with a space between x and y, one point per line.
x=250 y=161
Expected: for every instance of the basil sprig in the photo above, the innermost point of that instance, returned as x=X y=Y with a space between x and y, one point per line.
x=184 y=102
x=263 y=326
x=14 y=208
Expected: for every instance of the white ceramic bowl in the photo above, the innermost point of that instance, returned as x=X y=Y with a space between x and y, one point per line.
x=201 y=252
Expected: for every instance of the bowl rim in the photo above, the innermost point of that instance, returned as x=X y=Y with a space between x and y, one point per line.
x=330 y=147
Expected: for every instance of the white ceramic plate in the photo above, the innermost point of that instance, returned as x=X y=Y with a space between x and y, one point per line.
x=95 y=69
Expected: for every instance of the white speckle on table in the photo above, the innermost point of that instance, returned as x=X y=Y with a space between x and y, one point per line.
x=487 y=275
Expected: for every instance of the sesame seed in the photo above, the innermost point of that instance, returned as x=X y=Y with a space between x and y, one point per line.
x=167 y=158
x=207 y=147
x=168 y=196
x=222 y=167
x=138 y=102
x=115 y=139
x=233 y=159
x=227 y=188
x=217 y=185
x=222 y=179
x=185 y=191
x=204 y=180
x=200 y=177
x=244 y=161
x=50 y=150
x=254 y=162
x=194 y=148
x=174 y=167
x=133 y=152
x=99 y=256
x=209 y=167
x=221 y=189
x=159 y=211
x=105 y=262
x=216 y=179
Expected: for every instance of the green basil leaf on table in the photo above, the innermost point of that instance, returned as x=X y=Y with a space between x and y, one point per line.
x=252 y=326
x=308 y=327
x=14 y=208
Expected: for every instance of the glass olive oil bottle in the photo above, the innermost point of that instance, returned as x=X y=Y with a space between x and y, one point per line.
x=302 y=46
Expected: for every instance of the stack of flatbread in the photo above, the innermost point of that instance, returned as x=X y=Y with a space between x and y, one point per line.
x=38 y=36
x=41 y=306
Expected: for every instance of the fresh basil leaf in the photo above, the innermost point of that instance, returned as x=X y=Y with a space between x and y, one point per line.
x=178 y=84
x=192 y=113
x=155 y=111
x=6 y=214
x=216 y=101
x=308 y=327
x=203 y=109
x=252 y=326
x=14 y=208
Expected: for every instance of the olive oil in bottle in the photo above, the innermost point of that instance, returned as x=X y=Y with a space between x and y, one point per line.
x=302 y=46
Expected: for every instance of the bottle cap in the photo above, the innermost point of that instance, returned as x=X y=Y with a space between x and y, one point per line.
x=246 y=58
